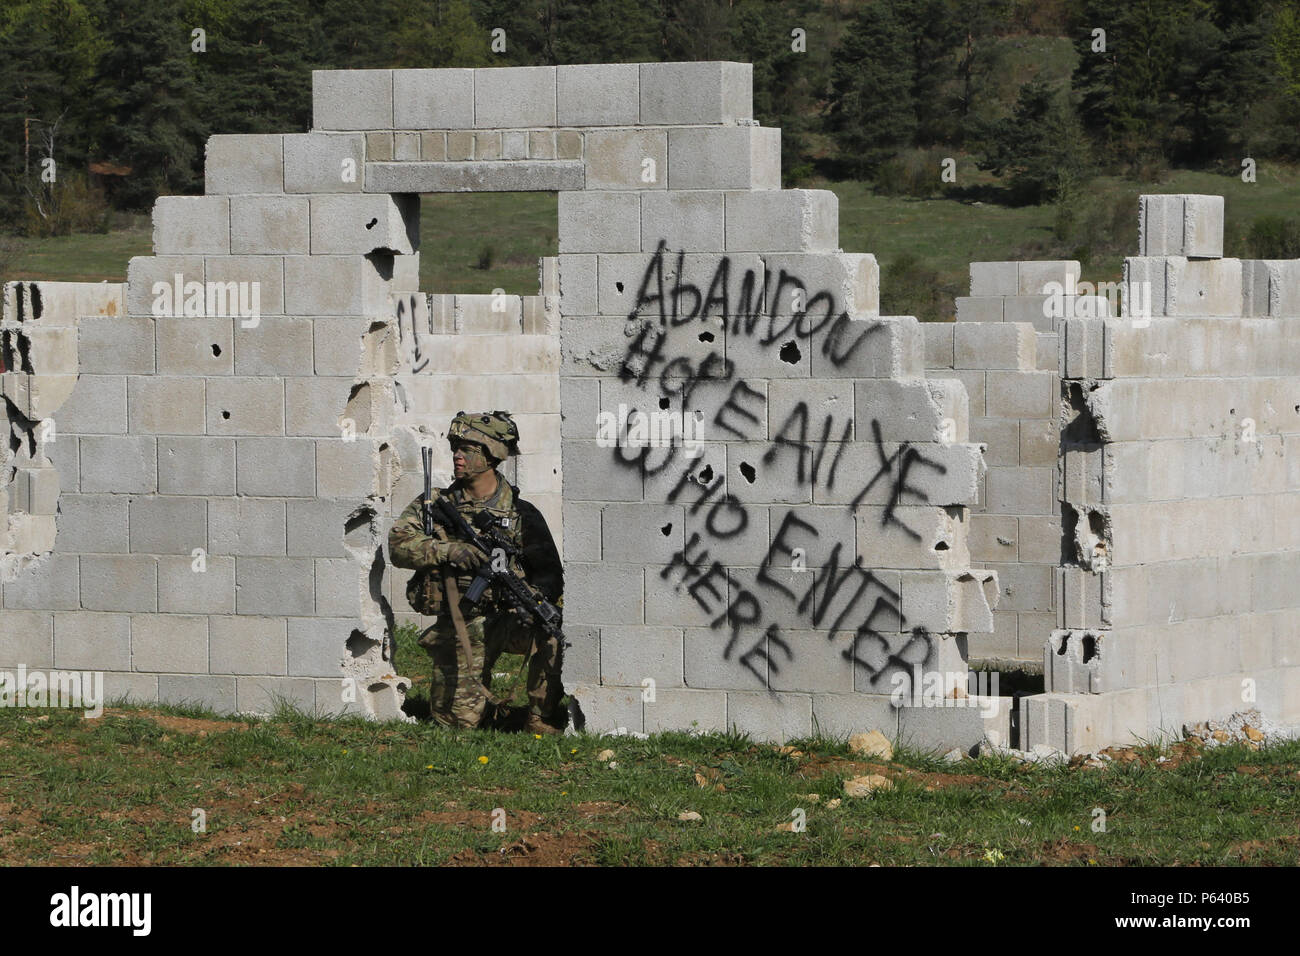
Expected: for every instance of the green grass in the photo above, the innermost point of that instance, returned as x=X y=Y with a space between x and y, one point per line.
x=123 y=790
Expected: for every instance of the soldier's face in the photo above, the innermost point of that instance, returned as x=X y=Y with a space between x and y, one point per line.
x=468 y=459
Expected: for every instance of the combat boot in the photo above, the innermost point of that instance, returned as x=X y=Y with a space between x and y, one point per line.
x=535 y=725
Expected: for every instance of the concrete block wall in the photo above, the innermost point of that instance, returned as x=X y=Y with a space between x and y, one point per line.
x=1003 y=347
x=1179 y=493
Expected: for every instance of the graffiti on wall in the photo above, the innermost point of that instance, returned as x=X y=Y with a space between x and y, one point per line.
x=677 y=358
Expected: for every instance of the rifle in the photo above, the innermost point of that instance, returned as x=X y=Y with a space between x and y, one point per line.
x=511 y=587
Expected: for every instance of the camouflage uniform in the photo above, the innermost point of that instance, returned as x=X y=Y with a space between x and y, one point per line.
x=460 y=696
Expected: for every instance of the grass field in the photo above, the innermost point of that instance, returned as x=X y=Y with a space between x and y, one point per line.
x=125 y=788
x=476 y=242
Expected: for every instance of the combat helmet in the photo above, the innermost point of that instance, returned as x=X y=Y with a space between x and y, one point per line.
x=495 y=431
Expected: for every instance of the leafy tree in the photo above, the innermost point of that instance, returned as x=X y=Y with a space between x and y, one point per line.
x=1039 y=149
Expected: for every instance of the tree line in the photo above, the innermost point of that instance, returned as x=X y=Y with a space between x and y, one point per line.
x=1042 y=94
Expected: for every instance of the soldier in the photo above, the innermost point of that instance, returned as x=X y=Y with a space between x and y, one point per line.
x=465 y=640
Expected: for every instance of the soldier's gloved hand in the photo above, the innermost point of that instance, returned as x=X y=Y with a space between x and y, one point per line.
x=461 y=556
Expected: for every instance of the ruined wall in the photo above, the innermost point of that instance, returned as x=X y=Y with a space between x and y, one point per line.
x=202 y=463
x=1180 y=483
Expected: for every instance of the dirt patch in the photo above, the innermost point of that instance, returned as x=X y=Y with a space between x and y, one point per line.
x=183 y=725
x=1066 y=851
x=535 y=849
x=479 y=819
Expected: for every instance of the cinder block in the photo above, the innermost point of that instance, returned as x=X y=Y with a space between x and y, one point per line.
x=92 y=523
x=190 y=225
x=215 y=693
x=641 y=533
x=982 y=309
x=359 y=225
x=541 y=144
x=119 y=582
x=923 y=410
x=839 y=716
x=379 y=147
x=516 y=176
x=337 y=344
x=26 y=637
x=885 y=347
x=168 y=525
x=822 y=284
x=316 y=527
x=338 y=588
x=805 y=661
x=275 y=586
x=770 y=716
x=433 y=99
x=591 y=474
x=352 y=99
x=692 y=221
x=599 y=222
x=1021 y=394
x=245 y=406
x=994 y=278
x=631 y=655
x=173 y=643
x=514 y=96
x=195 y=346
x=269 y=225
x=1033 y=278
x=279 y=345
x=279 y=467
x=1021 y=490
x=246 y=526
x=1036 y=310
x=733 y=157
x=334 y=285
x=1002 y=345
x=244 y=163
x=318 y=646
x=258 y=283
x=606 y=94
x=165 y=405
x=487 y=315
x=1204 y=287
x=89 y=641
x=433 y=147
x=609 y=708
x=122 y=464
x=37 y=397
x=313 y=406
x=1180 y=225
x=913 y=537
x=695 y=711
x=702 y=93
x=345 y=469
x=1039 y=442
x=603 y=594
x=626 y=159
x=1001 y=438
x=786 y=220
x=265 y=695
x=324 y=162
x=247 y=645
x=942 y=728
x=97 y=406
x=188 y=586
x=155 y=285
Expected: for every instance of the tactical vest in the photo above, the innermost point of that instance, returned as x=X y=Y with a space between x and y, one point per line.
x=425 y=591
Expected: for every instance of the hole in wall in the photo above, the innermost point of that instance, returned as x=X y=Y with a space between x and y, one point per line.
x=1065 y=643
x=372 y=223
x=225 y=414
x=790 y=353
x=663 y=402
x=216 y=349
x=706 y=336
x=667 y=529
x=706 y=474
x=1089 y=647
x=618 y=286
x=748 y=471
x=941 y=546
x=358 y=644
